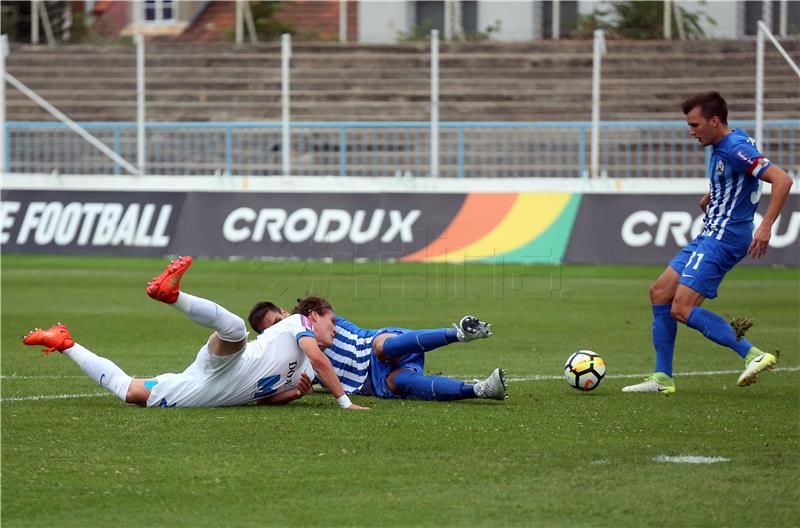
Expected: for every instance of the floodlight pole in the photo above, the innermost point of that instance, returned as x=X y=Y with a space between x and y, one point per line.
x=434 y=103
x=667 y=20
x=239 y=22
x=760 y=85
x=3 y=53
x=286 y=140
x=141 y=139
x=599 y=49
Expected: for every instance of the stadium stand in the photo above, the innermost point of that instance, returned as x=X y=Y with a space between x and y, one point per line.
x=480 y=81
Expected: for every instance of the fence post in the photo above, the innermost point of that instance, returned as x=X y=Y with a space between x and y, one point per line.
x=434 y=103
x=3 y=152
x=599 y=49
x=460 y=152
x=286 y=140
x=141 y=140
x=760 y=85
x=342 y=152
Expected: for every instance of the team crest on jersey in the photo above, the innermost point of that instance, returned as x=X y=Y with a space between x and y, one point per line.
x=720 y=168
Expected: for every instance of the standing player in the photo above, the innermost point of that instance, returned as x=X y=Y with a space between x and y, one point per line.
x=735 y=173
x=275 y=368
x=389 y=362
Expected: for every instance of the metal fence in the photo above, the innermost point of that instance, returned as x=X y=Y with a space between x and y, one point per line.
x=467 y=149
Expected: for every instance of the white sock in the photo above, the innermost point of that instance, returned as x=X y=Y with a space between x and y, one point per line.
x=207 y=313
x=103 y=371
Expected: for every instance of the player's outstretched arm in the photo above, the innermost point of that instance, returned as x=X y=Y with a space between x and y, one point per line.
x=303 y=388
x=781 y=183
x=322 y=366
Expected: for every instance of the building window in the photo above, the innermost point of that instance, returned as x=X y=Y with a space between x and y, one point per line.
x=159 y=11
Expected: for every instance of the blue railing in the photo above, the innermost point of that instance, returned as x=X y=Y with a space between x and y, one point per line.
x=467 y=149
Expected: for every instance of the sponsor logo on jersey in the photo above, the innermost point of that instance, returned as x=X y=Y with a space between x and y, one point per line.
x=86 y=223
x=328 y=226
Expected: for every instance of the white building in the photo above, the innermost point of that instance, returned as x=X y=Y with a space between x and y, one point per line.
x=386 y=21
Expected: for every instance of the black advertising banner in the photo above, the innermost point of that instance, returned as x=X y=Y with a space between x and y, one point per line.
x=274 y=225
x=650 y=228
x=89 y=222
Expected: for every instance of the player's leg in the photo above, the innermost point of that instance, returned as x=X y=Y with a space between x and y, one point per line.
x=231 y=333
x=701 y=280
x=409 y=383
x=664 y=328
x=103 y=371
x=392 y=346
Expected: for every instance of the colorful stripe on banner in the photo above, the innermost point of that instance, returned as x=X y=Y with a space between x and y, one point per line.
x=513 y=227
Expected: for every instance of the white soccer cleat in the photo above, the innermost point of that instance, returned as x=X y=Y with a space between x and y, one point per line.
x=761 y=362
x=470 y=327
x=494 y=387
x=658 y=382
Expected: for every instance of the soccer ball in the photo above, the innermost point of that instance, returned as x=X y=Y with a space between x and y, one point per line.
x=584 y=370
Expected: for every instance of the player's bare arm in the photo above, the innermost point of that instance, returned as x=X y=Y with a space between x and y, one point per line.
x=781 y=184
x=303 y=388
x=323 y=368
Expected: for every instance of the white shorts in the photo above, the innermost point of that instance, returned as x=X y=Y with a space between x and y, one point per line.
x=199 y=384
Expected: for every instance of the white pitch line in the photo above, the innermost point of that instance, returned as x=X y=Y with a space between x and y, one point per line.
x=515 y=379
x=54 y=397
x=632 y=376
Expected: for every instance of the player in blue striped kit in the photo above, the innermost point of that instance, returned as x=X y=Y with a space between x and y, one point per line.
x=736 y=171
x=388 y=362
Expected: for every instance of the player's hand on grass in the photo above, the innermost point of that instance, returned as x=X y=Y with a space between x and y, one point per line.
x=304 y=385
x=760 y=241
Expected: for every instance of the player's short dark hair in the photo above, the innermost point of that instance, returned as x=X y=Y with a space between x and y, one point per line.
x=312 y=304
x=711 y=104
x=256 y=317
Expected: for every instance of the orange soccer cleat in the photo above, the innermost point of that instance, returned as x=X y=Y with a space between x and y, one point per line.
x=55 y=338
x=165 y=287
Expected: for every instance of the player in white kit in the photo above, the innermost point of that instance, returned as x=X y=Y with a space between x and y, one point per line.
x=275 y=368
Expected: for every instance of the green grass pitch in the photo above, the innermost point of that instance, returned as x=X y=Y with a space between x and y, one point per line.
x=548 y=456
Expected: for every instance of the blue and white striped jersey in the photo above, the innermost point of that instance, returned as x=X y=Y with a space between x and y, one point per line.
x=350 y=353
x=734 y=172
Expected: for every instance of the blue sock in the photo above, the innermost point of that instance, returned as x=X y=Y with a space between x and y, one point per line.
x=664 y=329
x=717 y=330
x=415 y=385
x=418 y=341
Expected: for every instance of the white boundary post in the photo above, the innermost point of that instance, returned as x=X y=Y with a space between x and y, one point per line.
x=784 y=14
x=3 y=53
x=34 y=22
x=343 y=20
x=239 y=22
x=141 y=138
x=555 y=31
x=286 y=139
x=434 y=103
x=599 y=49
x=760 y=86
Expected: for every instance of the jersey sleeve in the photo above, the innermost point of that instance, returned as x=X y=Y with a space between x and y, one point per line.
x=746 y=158
x=300 y=326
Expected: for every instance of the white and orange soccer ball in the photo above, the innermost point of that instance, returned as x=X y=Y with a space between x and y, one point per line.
x=584 y=370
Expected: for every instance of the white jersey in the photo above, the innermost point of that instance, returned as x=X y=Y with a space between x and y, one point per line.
x=269 y=365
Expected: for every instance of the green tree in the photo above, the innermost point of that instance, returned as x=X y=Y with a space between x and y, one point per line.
x=642 y=20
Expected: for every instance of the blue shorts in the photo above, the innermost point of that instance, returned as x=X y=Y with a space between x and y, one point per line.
x=379 y=370
x=704 y=262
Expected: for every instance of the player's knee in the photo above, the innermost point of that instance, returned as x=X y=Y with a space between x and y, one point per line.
x=399 y=380
x=658 y=294
x=680 y=312
x=138 y=393
x=234 y=331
